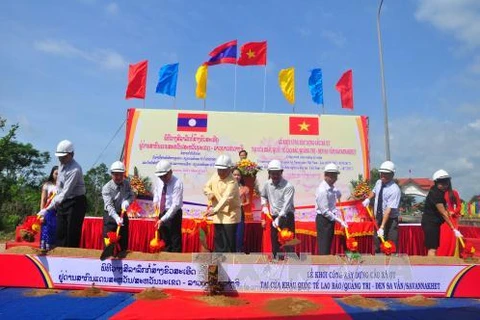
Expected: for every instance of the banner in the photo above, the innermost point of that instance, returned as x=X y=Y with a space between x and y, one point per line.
x=374 y=276
x=192 y=140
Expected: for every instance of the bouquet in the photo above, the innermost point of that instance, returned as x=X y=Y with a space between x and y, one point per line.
x=248 y=167
x=362 y=190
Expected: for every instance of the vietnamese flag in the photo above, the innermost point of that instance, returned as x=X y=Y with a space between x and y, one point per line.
x=253 y=54
x=307 y=126
x=137 y=80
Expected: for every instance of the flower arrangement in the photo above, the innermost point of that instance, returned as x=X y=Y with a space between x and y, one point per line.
x=248 y=167
x=361 y=190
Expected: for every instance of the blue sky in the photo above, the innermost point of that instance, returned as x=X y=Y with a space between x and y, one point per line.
x=64 y=68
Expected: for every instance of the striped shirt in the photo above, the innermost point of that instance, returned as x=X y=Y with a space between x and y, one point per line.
x=70 y=183
x=391 y=197
x=173 y=197
x=325 y=200
x=114 y=194
x=279 y=197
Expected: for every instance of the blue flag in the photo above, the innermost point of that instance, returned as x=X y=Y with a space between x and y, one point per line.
x=315 y=83
x=167 y=80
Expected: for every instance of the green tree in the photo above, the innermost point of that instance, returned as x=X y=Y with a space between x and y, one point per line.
x=21 y=175
x=95 y=179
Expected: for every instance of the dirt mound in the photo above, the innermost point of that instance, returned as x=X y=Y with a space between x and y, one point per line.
x=41 y=292
x=418 y=301
x=291 y=306
x=222 y=301
x=151 y=294
x=366 y=303
x=88 y=292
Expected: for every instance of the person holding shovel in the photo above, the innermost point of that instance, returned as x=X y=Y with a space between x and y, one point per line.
x=117 y=196
x=277 y=200
x=387 y=196
x=436 y=213
x=168 y=202
x=223 y=193
x=326 y=197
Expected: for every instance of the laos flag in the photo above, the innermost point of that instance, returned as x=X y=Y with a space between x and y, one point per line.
x=192 y=122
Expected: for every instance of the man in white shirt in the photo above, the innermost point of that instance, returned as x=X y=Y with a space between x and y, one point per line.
x=387 y=200
x=168 y=201
x=326 y=197
x=277 y=198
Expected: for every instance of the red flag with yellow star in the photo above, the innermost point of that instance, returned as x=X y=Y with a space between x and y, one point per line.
x=304 y=126
x=253 y=54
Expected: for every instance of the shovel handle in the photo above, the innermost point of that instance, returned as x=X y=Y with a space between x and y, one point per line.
x=271 y=218
x=119 y=226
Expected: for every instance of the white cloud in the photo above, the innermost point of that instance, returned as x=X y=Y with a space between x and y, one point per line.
x=105 y=58
x=112 y=9
x=304 y=31
x=426 y=145
x=337 y=38
x=474 y=67
x=475 y=125
x=458 y=17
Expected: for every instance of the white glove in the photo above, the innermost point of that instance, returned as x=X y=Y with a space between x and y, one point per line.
x=276 y=222
x=457 y=233
x=265 y=210
x=119 y=221
x=42 y=213
x=342 y=223
x=125 y=205
x=366 y=202
x=380 y=233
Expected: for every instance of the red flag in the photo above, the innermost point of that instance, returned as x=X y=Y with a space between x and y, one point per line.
x=304 y=126
x=137 y=80
x=345 y=87
x=253 y=54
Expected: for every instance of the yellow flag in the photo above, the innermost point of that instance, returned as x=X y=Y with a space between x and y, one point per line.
x=201 y=78
x=286 y=80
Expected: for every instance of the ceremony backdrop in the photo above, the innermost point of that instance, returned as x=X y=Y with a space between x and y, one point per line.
x=192 y=140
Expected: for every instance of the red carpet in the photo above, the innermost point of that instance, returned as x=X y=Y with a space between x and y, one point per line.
x=183 y=305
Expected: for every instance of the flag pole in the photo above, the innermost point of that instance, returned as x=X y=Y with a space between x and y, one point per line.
x=143 y=103
x=265 y=89
x=205 y=104
x=174 y=102
x=235 y=90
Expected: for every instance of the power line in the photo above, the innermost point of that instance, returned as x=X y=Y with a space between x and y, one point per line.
x=101 y=153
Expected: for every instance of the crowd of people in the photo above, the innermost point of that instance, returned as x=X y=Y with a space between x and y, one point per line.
x=63 y=205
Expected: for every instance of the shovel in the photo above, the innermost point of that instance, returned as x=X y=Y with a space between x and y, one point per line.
x=111 y=242
x=292 y=242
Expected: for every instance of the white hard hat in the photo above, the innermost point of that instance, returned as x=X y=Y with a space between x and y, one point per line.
x=64 y=147
x=162 y=168
x=223 y=162
x=117 y=166
x=387 y=167
x=440 y=174
x=331 y=167
x=274 y=165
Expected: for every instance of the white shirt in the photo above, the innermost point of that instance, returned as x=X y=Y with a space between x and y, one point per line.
x=279 y=197
x=391 y=197
x=174 y=196
x=326 y=199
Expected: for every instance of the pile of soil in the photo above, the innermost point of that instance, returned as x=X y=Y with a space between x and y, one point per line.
x=222 y=301
x=41 y=292
x=151 y=294
x=418 y=301
x=88 y=293
x=291 y=306
x=362 y=302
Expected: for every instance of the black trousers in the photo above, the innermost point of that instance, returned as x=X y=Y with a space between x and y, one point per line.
x=225 y=237
x=325 y=231
x=70 y=215
x=390 y=233
x=171 y=232
x=288 y=221
x=110 y=225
